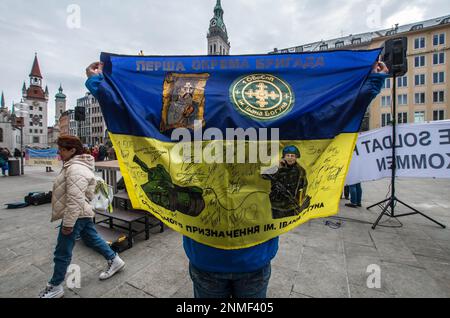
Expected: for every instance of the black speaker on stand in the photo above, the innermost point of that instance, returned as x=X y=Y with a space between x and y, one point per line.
x=394 y=56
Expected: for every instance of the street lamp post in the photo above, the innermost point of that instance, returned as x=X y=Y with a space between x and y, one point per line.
x=19 y=123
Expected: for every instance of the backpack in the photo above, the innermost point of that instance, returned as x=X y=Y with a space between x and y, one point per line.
x=103 y=196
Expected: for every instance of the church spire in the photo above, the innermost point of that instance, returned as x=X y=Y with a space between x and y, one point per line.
x=36 y=70
x=218 y=43
x=2 y=102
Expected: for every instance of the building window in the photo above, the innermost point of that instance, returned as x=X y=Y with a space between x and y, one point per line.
x=419 y=98
x=31 y=107
x=35 y=139
x=339 y=44
x=402 y=118
x=31 y=123
x=387 y=83
x=356 y=41
x=438 y=77
x=419 y=117
x=402 y=81
x=438 y=58
x=41 y=131
x=36 y=131
x=40 y=109
x=402 y=99
x=386 y=101
x=419 y=79
x=438 y=115
x=1 y=135
x=324 y=47
x=419 y=61
x=439 y=39
x=438 y=97
x=417 y=27
x=31 y=131
x=419 y=43
x=385 y=119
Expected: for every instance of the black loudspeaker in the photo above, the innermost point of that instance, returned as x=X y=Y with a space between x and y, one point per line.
x=80 y=113
x=394 y=56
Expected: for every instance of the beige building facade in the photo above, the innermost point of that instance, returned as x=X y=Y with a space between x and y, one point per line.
x=422 y=94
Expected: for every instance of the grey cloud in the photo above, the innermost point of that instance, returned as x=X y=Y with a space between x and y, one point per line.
x=175 y=27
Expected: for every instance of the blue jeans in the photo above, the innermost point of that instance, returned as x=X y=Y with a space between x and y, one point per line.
x=356 y=194
x=226 y=285
x=63 y=251
x=4 y=168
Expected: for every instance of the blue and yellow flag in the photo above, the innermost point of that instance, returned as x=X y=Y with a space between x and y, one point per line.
x=232 y=151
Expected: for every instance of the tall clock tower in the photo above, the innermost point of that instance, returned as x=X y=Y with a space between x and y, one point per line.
x=218 y=43
x=35 y=129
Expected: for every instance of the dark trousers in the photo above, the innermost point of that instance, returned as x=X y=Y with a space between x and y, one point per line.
x=230 y=285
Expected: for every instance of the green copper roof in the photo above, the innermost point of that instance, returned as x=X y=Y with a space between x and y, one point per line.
x=218 y=16
x=60 y=94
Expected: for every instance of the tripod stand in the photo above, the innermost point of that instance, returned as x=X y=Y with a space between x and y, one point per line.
x=392 y=201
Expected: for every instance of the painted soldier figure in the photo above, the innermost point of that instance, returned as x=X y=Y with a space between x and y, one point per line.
x=289 y=184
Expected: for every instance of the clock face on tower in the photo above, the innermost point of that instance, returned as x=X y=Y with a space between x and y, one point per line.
x=213 y=22
x=35 y=103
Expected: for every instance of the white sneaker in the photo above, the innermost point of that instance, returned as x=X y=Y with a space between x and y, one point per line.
x=115 y=265
x=52 y=292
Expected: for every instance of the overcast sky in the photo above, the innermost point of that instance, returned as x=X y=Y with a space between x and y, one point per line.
x=172 y=27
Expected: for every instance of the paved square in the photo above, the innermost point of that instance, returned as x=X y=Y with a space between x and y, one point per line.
x=314 y=260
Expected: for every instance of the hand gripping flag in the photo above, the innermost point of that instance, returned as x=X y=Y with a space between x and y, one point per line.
x=232 y=151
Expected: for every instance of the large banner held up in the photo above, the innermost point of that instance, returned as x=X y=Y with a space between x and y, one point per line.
x=42 y=157
x=208 y=187
x=422 y=151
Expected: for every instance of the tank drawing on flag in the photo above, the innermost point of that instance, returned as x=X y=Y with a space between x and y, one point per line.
x=163 y=192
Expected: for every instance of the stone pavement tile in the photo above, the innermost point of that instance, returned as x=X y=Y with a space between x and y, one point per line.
x=289 y=252
x=293 y=294
x=185 y=291
x=438 y=269
x=164 y=278
x=437 y=233
x=415 y=233
x=391 y=248
x=428 y=248
x=358 y=291
x=137 y=259
x=281 y=282
x=126 y=291
x=325 y=238
x=356 y=233
x=19 y=276
x=358 y=260
x=322 y=274
x=412 y=282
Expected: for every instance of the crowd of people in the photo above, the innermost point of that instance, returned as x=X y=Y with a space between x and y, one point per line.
x=101 y=152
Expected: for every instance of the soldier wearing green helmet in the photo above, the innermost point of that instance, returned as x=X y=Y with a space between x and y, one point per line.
x=289 y=184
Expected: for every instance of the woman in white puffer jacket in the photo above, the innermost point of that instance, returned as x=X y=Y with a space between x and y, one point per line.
x=73 y=190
